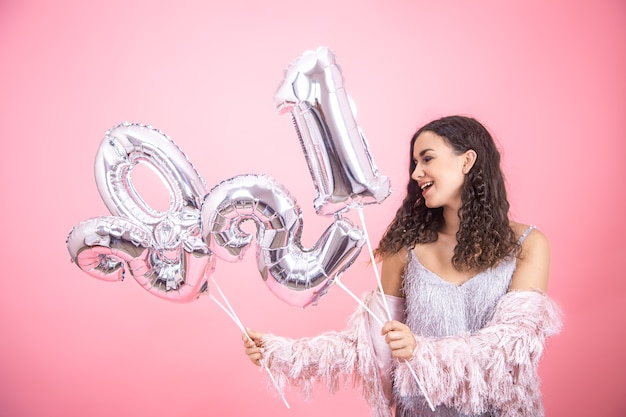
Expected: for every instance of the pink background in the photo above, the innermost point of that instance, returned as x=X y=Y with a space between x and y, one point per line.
x=548 y=78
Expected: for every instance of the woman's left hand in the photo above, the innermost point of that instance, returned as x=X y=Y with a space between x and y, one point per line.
x=400 y=339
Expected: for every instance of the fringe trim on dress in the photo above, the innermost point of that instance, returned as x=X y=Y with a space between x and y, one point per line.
x=493 y=369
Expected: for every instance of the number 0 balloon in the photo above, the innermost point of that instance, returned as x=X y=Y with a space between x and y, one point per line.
x=162 y=250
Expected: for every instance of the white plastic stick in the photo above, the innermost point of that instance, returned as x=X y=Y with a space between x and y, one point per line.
x=371 y=251
x=212 y=297
x=358 y=300
x=380 y=288
x=231 y=313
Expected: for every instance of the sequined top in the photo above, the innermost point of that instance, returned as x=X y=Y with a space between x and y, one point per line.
x=436 y=307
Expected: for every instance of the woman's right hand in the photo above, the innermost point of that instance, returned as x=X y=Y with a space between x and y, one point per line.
x=254 y=346
x=400 y=338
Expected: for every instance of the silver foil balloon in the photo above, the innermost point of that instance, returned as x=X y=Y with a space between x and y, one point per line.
x=108 y=247
x=128 y=145
x=336 y=151
x=297 y=275
x=162 y=250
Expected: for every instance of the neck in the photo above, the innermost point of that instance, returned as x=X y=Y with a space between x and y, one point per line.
x=451 y=222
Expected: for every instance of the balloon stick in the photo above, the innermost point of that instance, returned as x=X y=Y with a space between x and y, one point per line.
x=382 y=292
x=228 y=309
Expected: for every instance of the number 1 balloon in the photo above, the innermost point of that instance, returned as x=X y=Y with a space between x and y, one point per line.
x=341 y=166
x=163 y=251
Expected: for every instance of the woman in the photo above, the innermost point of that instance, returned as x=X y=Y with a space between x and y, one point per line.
x=464 y=286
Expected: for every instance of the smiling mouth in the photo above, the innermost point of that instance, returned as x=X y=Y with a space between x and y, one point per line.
x=426 y=185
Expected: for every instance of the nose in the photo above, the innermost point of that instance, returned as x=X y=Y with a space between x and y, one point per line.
x=417 y=173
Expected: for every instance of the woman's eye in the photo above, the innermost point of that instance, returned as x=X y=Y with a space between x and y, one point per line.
x=427 y=158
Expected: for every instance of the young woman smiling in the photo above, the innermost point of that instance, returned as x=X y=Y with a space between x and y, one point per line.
x=466 y=289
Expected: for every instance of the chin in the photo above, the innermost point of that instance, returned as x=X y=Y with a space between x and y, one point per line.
x=433 y=204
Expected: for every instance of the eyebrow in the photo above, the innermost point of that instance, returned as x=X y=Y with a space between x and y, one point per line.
x=422 y=152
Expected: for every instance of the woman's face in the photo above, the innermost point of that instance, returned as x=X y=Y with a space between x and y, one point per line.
x=439 y=171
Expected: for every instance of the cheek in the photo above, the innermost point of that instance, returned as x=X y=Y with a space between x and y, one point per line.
x=455 y=180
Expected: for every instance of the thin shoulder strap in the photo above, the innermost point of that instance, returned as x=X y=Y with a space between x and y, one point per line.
x=526 y=232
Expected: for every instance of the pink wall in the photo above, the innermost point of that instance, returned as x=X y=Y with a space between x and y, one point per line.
x=546 y=77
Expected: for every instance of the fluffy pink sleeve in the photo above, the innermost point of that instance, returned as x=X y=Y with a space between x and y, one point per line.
x=384 y=360
x=494 y=368
x=333 y=359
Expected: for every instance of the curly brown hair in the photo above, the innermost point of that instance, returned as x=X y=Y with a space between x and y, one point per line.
x=485 y=235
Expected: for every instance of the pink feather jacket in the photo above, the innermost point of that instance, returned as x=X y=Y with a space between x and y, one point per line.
x=493 y=369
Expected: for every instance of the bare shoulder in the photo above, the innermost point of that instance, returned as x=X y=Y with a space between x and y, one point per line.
x=533 y=264
x=392 y=274
x=535 y=241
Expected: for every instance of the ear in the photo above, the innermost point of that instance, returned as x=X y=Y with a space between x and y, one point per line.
x=469 y=158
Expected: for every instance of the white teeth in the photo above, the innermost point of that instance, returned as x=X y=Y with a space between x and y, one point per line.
x=427 y=184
